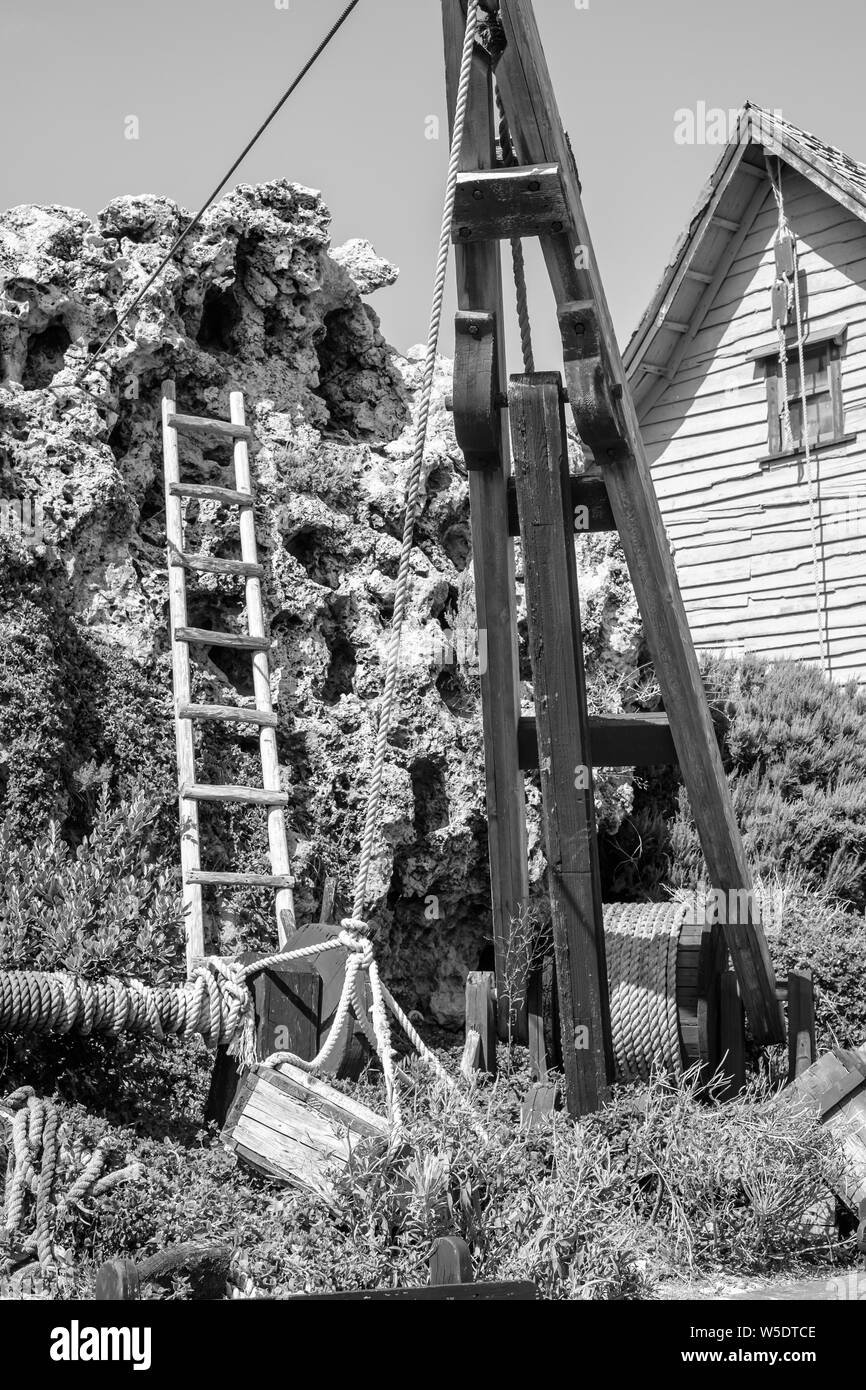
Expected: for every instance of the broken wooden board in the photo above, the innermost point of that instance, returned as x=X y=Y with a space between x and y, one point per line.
x=294 y=1127
x=835 y=1088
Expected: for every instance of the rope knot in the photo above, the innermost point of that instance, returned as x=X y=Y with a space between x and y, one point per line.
x=353 y=938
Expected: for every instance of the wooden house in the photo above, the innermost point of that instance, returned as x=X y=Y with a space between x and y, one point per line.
x=769 y=536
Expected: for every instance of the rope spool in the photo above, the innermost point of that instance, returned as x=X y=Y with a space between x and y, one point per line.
x=642 y=942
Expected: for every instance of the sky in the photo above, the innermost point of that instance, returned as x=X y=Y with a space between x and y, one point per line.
x=200 y=75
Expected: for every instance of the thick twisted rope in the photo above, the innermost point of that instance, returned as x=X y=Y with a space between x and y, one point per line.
x=518 y=264
x=413 y=494
x=38 y=1160
x=641 y=941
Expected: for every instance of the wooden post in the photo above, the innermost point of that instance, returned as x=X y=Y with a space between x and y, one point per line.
x=451 y=1262
x=606 y=419
x=479 y=289
x=801 y=1022
x=556 y=649
x=481 y=1017
x=733 y=1035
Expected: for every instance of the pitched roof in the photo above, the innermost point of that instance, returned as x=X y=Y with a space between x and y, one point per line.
x=720 y=220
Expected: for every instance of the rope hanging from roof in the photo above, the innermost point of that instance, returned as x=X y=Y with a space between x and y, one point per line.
x=787 y=294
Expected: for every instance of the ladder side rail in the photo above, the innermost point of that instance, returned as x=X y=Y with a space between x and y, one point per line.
x=479 y=287
x=277 y=838
x=538 y=136
x=184 y=736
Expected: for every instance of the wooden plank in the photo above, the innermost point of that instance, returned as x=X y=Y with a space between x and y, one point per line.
x=615 y=740
x=187 y=808
x=515 y=1292
x=206 y=638
x=241 y=880
x=228 y=714
x=479 y=288
x=543 y=1099
x=537 y=132
x=589 y=502
x=225 y=791
x=733 y=1036
x=495 y=204
x=284 y=905
x=213 y=564
x=199 y=425
x=801 y=1022
x=205 y=492
x=470 y=1061
x=481 y=1017
x=451 y=1262
x=540 y=452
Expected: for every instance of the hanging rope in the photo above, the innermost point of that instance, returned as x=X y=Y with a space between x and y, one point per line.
x=783 y=231
x=518 y=265
x=194 y=222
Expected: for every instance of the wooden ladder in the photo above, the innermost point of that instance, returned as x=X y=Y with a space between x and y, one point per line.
x=495 y=416
x=255 y=641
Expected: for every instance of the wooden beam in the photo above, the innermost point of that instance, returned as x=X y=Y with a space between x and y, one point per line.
x=537 y=133
x=481 y=1017
x=615 y=740
x=801 y=1022
x=589 y=503
x=568 y=808
x=479 y=288
x=495 y=204
x=733 y=1036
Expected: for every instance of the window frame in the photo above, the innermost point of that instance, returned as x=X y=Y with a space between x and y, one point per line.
x=833 y=341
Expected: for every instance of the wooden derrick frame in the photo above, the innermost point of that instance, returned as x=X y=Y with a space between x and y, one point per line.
x=606 y=420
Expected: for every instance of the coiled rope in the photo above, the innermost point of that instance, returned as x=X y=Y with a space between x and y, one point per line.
x=39 y=1157
x=641 y=941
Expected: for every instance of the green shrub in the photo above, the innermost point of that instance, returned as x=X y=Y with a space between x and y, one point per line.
x=104 y=907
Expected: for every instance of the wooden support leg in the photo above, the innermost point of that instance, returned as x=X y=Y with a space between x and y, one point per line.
x=606 y=419
x=801 y=1022
x=556 y=649
x=481 y=1018
x=733 y=1035
x=479 y=289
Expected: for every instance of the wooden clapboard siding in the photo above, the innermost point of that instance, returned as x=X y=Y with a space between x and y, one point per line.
x=738 y=523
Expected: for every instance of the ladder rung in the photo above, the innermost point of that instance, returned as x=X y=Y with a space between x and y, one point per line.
x=247 y=880
x=221 y=639
x=230 y=714
x=253 y=796
x=205 y=492
x=199 y=424
x=213 y=564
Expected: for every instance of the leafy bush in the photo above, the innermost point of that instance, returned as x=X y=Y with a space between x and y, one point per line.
x=105 y=907
x=656 y=1185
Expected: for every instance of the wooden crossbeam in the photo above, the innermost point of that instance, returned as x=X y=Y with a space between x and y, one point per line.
x=568 y=806
x=538 y=137
x=589 y=503
x=615 y=740
x=495 y=204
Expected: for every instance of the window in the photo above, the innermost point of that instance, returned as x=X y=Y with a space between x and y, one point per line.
x=823 y=389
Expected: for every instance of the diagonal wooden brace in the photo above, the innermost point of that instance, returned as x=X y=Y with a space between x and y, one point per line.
x=476 y=387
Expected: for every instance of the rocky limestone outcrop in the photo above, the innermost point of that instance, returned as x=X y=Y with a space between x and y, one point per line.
x=254 y=301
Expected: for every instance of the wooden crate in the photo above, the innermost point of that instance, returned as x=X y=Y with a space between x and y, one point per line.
x=835 y=1087
x=296 y=1128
